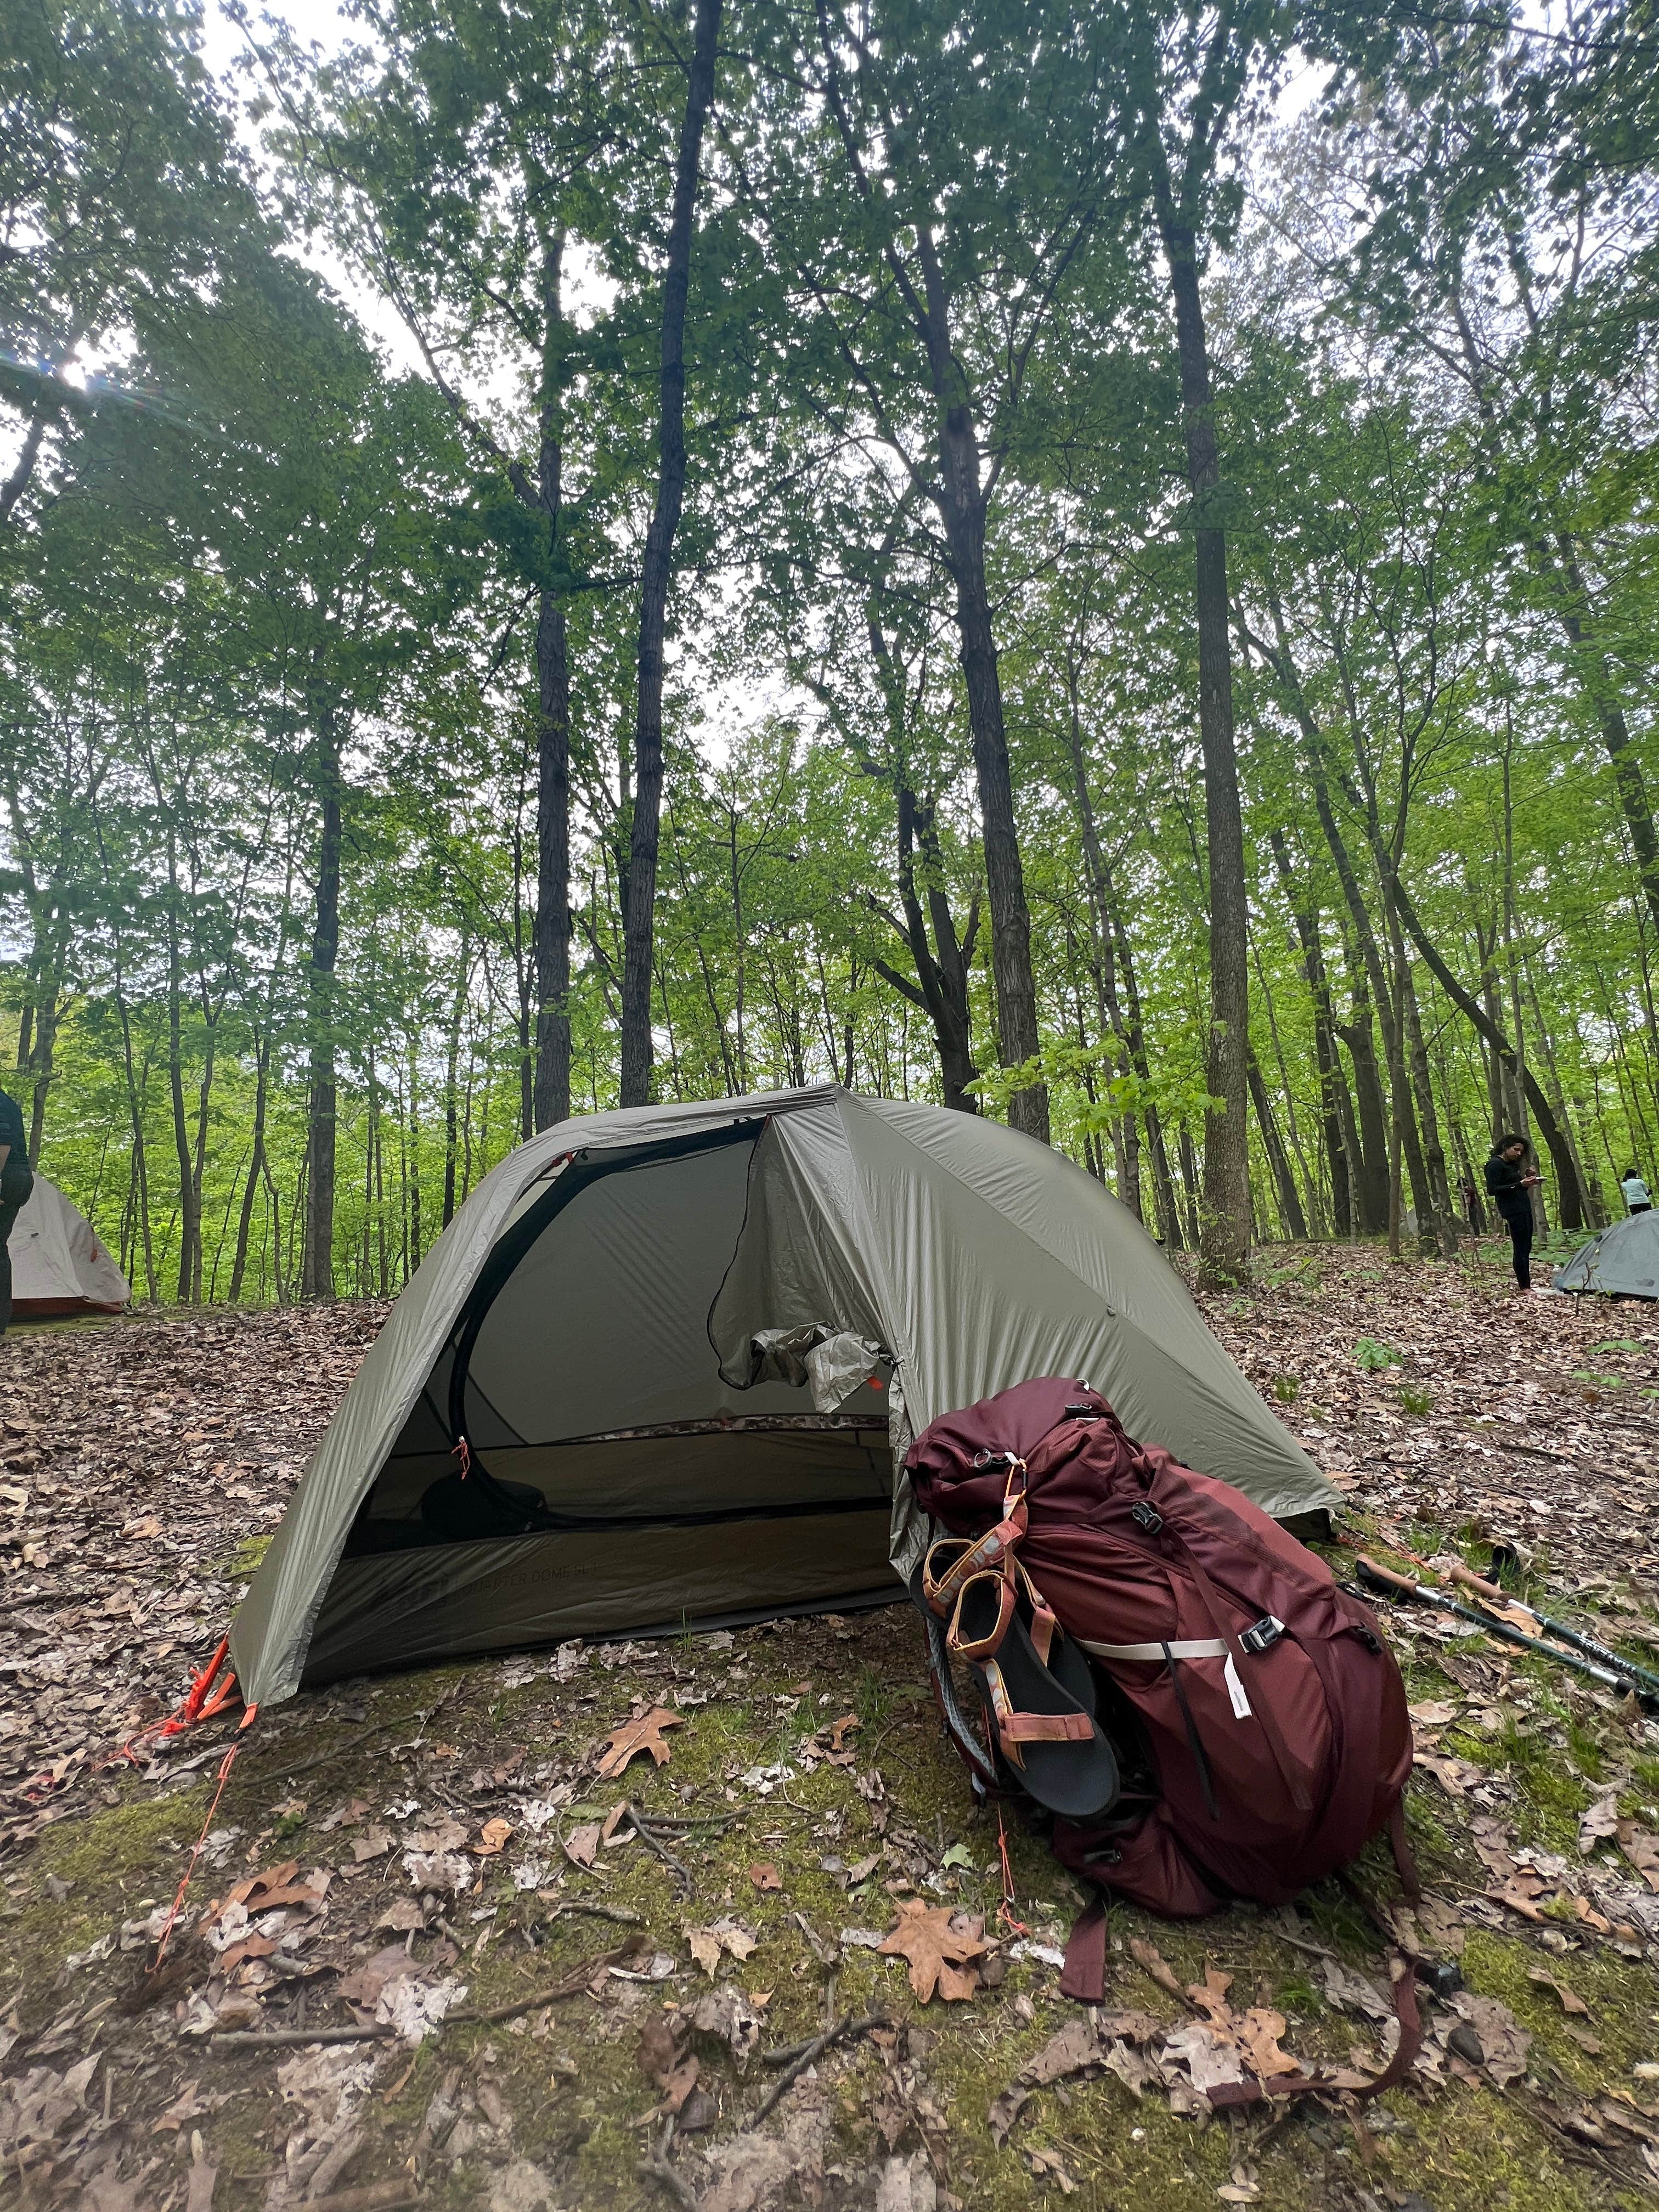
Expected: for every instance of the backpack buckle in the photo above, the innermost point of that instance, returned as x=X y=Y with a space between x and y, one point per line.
x=1148 y=1517
x=1263 y=1636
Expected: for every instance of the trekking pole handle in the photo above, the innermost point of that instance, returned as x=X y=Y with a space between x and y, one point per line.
x=1628 y=1669
x=1387 y=1576
x=1470 y=1580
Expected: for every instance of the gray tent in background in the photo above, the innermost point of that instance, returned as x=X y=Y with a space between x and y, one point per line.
x=684 y=1345
x=1623 y=1261
x=58 y=1264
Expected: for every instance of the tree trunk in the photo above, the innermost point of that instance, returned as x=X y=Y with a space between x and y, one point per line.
x=45 y=1040
x=416 y=1239
x=641 y=910
x=1225 y=1220
x=552 y=1087
x=189 y=1215
x=1125 y=1130
x=135 y=1105
x=1290 y=1202
x=1018 y=1036
x=1164 y=1194
x=1189 y=1176
x=1359 y=1034
x=1560 y=1153
x=451 y=1068
x=1578 y=620
x=1442 y=1230
x=941 y=988
x=1325 y=1054
x=317 y=1262
x=1380 y=1146
x=198 y=1160
x=256 y=1168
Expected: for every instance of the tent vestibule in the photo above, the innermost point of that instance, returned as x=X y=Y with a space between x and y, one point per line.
x=661 y=1367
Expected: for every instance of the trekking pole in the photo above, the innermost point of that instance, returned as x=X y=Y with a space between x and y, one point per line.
x=1558 y=1629
x=1384 y=1579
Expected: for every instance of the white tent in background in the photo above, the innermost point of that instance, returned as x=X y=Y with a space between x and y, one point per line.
x=57 y=1264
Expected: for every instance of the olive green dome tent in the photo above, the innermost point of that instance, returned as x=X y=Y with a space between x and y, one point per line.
x=660 y=1368
x=1623 y=1261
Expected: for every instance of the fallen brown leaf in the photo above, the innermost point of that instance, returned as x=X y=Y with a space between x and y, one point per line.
x=1258 y=2038
x=765 y=1875
x=1150 y=1960
x=1642 y=1850
x=634 y=1737
x=1546 y=1980
x=941 y=1947
x=1599 y=1822
x=1209 y=1996
x=581 y=1844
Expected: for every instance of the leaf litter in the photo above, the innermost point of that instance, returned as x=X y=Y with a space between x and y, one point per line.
x=468 y=1843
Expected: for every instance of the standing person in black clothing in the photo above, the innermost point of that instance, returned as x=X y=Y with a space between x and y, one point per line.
x=1510 y=1181
x=15 y=1184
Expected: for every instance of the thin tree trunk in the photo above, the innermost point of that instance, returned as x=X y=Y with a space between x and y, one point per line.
x=1595 y=670
x=189 y=1218
x=452 y=1067
x=42 y=1055
x=1163 y=1193
x=1189 y=1176
x=1372 y=1134
x=416 y=1245
x=1572 y=1198
x=942 y=967
x=317 y=1262
x=1018 y=1036
x=1439 y=1230
x=1225 y=1221
x=1290 y=1202
x=141 y=1172
x=640 y=909
x=1126 y=1136
x=552 y=1085
x=256 y=1166
x=1325 y=1054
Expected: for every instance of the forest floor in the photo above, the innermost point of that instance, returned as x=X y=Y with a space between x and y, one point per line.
x=412 y=1852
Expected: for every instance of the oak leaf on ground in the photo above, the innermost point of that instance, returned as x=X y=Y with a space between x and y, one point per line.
x=643 y=1734
x=941 y=1947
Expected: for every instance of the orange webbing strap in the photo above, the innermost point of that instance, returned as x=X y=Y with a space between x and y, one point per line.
x=1015 y=1728
x=225 y=1765
x=986 y=1646
x=1006 y=1917
x=990 y=1553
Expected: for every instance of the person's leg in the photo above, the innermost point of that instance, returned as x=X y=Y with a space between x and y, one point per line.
x=8 y=1215
x=1520 y=1236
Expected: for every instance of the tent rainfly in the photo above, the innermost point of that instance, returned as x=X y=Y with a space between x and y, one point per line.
x=662 y=1368
x=1622 y=1263
x=57 y=1264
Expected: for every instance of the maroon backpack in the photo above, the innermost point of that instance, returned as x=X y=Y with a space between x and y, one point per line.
x=1269 y=1712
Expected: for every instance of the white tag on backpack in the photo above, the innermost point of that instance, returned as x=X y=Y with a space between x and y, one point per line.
x=1236 y=1691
